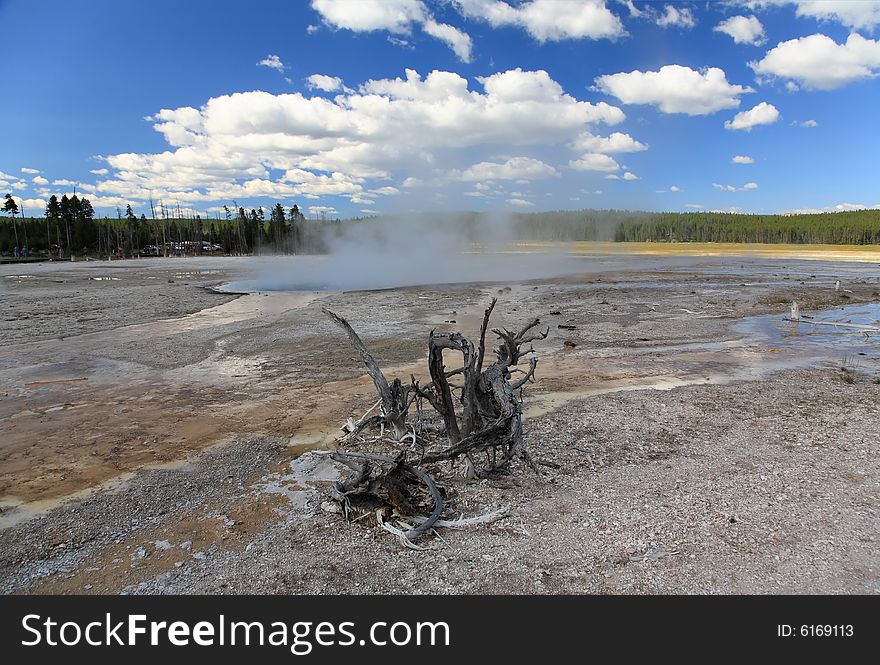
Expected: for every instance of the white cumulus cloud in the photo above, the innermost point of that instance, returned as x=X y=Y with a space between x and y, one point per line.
x=742 y=159
x=731 y=188
x=322 y=210
x=858 y=14
x=680 y=17
x=675 y=89
x=818 y=62
x=616 y=142
x=30 y=207
x=324 y=82
x=29 y=171
x=634 y=11
x=548 y=20
x=762 y=114
x=595 y=162
x=517 y=168
x=412 y=131
x=840 y=207
x=626 y=176
x=369 y=15
x=458 y=41
x=272 y=62
x=395 y=16
x=743 y=29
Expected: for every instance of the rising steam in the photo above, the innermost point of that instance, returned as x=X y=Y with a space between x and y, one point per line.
x=396 y=252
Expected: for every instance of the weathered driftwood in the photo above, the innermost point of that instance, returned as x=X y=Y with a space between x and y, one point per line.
x=395 y=397
x=491 y=414
x=463 y=522
x=371 y=481
x=485 y=416
x=480 y=415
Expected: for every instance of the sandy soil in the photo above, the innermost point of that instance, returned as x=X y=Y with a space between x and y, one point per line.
x=692 y=440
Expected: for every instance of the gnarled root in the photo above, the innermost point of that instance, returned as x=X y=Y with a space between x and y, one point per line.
x=374 y=486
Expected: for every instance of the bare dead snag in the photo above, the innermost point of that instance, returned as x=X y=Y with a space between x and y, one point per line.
x=479 y=412
x=442 y=400
x=486 y=413
x=481 y=354
x=395 y=396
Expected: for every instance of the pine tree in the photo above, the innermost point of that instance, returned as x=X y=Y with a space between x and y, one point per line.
x=10 y=206
x=53 y=218
x=87 y=211
x=278 y=213
x=53 y=209
x=279 y=228
x=296 y=218
x=66 y=217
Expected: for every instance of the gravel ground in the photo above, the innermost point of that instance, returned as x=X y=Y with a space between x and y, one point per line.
x=50 y=301
x=685 y=448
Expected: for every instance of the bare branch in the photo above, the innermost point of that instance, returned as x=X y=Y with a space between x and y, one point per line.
x=533 y=363
x=463 y=522
x=370 y=362
x=393 y=396
x=481 y=352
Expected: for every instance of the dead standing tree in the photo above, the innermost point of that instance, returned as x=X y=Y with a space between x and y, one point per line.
x=481 y=415
x=394 y=398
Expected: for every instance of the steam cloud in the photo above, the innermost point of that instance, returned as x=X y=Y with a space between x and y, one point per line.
x=397 y=252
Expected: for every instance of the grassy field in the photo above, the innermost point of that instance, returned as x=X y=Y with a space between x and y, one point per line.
x=860 y=253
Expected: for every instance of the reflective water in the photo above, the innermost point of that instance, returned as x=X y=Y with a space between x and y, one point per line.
x=831 y=333
x=845 y=336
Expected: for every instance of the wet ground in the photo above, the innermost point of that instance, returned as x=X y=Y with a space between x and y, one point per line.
x=153 y=427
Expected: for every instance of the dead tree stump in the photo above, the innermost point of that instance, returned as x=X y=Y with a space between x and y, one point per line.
x=480 y=414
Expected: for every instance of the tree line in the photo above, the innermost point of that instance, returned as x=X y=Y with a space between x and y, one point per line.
x=69 y=227
x=857 y=227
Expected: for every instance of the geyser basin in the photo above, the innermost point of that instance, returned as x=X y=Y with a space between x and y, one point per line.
x=353 y=271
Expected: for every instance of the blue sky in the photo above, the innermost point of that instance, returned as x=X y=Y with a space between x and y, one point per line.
x=532 y=105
